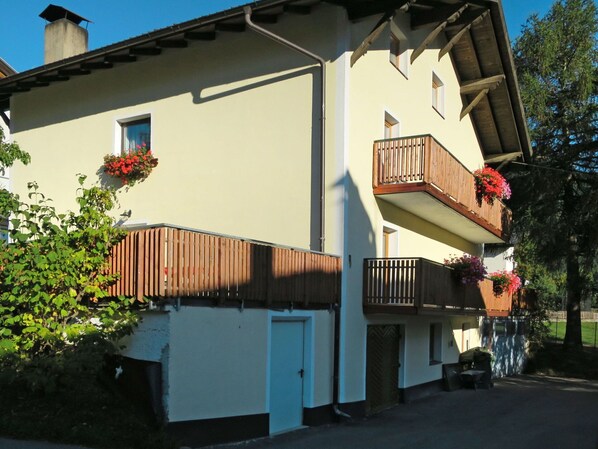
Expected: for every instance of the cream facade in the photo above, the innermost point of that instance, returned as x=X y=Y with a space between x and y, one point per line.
x=235 y=124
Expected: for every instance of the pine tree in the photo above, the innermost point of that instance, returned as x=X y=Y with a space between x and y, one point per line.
x=556 y=59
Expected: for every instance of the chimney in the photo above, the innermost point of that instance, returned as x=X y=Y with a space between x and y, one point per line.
x=63 y=36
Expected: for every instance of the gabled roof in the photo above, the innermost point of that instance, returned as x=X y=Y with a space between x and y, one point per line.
x=476 y=38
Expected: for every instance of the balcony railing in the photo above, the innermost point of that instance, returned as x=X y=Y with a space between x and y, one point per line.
x=411 y=286
x=167 y=262
x=422 y=164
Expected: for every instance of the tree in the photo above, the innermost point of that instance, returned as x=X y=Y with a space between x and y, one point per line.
x=558 y=193
x=56 y=318
x=9 y=153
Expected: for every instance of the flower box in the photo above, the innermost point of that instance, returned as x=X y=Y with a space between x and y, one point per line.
x=505 y=281
x=468 y=270
x=131 y=167
x=491 y=185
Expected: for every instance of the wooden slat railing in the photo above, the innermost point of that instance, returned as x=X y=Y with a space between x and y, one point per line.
x=421 y=159
x=168 y=262
x=416 y=284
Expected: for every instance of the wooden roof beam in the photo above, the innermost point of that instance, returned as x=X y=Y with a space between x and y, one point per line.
x=232 y=27
x=74 y=72
x=493 y=158
x=427 y=18
x=145 y=51
x=264 y=18
x=172 y=43
x=371 y=37
x=453 y=15
x=297 y=9
x=120 y=58
x=461 y=33
x=31 y=84
x=201 y=35
x=96 y=65
x=359 y=10
x=468 y=108
x=51 y=78
x=480 y=87
x=475 y=86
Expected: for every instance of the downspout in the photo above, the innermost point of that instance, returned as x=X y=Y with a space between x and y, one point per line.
x=322 y=63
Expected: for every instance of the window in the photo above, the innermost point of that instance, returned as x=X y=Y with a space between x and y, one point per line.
x=390 y=242
x=437 y=94
x=3 y=229
x=135 y=132
x=435 y=343
x=391 y=126
x=398 y=54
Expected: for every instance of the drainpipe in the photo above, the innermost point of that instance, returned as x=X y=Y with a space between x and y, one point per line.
x=322 y=63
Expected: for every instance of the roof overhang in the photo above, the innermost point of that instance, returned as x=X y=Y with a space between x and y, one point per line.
x=480 y=50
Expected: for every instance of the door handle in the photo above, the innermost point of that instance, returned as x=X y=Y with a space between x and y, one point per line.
x=301 y=372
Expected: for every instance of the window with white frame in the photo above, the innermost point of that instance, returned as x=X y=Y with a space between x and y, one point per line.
x=398 y=54
x=437 y=94
x=435 y=343
x=135 y=133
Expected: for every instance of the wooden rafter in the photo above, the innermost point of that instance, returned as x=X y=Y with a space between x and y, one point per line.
x=461 y=33
x=467 y=109
x=481 y=88
x=436 y=31
x=493 y=158
x=371 y=37
x=475 y=86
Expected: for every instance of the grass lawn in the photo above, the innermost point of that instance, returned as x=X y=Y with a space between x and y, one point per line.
x=588 y=329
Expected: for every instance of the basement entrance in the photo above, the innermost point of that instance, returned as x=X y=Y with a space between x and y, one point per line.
x=382 y=367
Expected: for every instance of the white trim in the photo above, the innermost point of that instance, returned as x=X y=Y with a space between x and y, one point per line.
x=395 y=230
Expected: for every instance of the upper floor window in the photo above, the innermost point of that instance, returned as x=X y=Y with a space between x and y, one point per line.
x=136 y=132
x=437 y=94
x=398 y=54
x=391 y=126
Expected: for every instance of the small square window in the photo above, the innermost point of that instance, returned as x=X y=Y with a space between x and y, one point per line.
x=435 y=343
x=437 y=94
x=135 y=133
x=398 y=54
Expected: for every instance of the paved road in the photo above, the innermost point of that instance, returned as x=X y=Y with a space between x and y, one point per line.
x=525 y=412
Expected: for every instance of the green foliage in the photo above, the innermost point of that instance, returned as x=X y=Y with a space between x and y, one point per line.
x=9 y=153
x=555 y=200
x=53 y=281
x=77 y=400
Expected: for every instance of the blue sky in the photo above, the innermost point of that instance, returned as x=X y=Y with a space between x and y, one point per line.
x=21 y=38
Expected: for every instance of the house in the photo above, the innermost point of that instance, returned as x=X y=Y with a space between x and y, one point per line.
x=5 y=70
x=344 y=134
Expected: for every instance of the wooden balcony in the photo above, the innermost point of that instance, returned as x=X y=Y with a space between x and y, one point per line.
x=419 y=175
x=420 y=286
x=168 y=262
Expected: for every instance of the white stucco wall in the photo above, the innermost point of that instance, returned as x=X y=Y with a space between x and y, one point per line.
x=219 y=361
x=375 y=87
